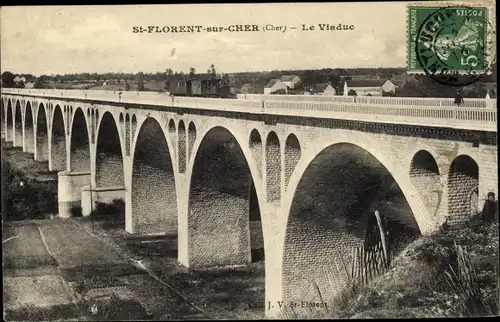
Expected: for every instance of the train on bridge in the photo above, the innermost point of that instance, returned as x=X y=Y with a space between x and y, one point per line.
x=207 y=87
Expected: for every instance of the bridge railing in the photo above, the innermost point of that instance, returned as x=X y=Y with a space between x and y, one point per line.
x=399 y=101
x=312 y=98
x=417 y=111
x=370 y=100
x=463 y=117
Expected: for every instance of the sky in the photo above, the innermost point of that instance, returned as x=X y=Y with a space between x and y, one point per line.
x=77 y=39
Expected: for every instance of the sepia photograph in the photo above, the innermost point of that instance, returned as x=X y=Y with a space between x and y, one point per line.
x=249 y=161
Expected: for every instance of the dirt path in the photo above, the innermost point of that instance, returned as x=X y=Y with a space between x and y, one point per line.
x=56 y=262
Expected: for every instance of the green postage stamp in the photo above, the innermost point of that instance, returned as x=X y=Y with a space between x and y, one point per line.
x=447 y=39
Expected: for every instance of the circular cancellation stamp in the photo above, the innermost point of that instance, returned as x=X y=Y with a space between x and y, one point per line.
x=449 y=43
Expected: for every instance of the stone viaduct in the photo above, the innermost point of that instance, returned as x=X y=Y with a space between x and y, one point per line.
x=311 y=165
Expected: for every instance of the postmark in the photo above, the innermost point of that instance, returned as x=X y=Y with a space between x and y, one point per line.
x=449 y=44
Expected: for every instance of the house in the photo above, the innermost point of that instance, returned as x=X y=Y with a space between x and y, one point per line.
x=324 y=89
x=29 y=85
x=274 y=85
x=290 y=80
x=491 y=90
x=19 y=79
x=247 y=89
x=358 y=77
x=401 y=80
x=369 y=87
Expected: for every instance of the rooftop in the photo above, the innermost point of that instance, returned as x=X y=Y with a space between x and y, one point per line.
x=366 y=82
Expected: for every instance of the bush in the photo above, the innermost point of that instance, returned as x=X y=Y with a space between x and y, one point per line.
x=111 y=214
x=24 y=198
x=76 y=211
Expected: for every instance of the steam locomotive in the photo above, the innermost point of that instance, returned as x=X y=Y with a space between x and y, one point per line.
x=211 y=87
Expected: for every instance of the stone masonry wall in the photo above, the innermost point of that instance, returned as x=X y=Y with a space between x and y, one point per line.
x=273 y=167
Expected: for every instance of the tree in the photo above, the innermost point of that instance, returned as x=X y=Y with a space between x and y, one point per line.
x=192 y=72
x=352 y=93
x=140 y=85
x=41 y=82
x=140 y=81
x=127 y=86
x=8 y=79
x=212 y=71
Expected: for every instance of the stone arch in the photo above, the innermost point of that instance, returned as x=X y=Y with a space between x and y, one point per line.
x=256 y=148
x=42 y=141
x=425 y=177
x=181 y=139
x=10 y=122
x=222 y=203
x=292 y=156
x=463 y=177
x=191 y=138
x=273 y=167
x=109 y=156
x=18 y=125
x=29 y=134
x=58 y=141
x=154 y=196
x=80 y=145
x=127 y=134
x=329 y=213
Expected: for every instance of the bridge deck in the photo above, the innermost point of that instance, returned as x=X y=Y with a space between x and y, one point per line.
x=475 y=114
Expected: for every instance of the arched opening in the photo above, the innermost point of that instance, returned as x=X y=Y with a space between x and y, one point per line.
x=424 y=175
x=109 y=160
x=463 y=178
x=273 y=167
x=2 y=118
x=171 y=126
x=58 y=144
x=42 y=142
x=191 y=137
x=29 y=134
x=92 y=125
x=256 y=148
x=134 y=126
x=222 y=203
x=292 y=156
x=332 y=214
x=10 y=123
x=18 y=126
x=127 y=134
x=154 y=198
x=80 y=149
x=182 y=147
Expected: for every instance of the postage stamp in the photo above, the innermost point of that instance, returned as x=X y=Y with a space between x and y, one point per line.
x=447 y=40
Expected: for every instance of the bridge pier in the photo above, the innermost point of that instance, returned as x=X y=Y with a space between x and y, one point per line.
x=69 y=190
x=182 y=224
x=273 y=249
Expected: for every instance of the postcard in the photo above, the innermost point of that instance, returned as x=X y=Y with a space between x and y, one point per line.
x=249 y=161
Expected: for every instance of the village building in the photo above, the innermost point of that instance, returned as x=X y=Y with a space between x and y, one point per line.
x=491 y=89
x=247 y=89
x=324 y=89
x=360 y=77
x=29 y=85
x=369 y=87
x=274 y=85
x=19 y=79
x=290 y=80
x=401 y=80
